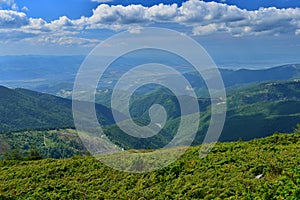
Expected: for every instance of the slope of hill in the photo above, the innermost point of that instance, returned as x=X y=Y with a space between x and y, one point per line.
x=261 y=110
x=60 y=143
x=254 y=112
x=259 y=169
x=25 y=109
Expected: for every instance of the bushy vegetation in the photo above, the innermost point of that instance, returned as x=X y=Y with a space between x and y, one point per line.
x=31 y=145
x=229 y=172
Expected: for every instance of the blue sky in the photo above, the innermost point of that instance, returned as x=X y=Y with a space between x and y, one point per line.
x=52 y=9
x=251 y=32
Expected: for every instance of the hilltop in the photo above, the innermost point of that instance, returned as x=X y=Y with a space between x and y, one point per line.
x=229 y=171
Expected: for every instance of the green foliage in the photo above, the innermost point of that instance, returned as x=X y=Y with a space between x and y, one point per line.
x=18 y=154
x=228 y=172
x=34 y=145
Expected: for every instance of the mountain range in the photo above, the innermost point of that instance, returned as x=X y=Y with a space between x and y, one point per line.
x=260 y=102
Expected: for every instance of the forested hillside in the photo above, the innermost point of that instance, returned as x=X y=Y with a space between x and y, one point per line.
x=253 y=112
x=24 y=109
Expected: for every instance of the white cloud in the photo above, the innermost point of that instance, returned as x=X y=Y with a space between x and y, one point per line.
x=131 y=14
x=135 y=30
x=61 y=23
x=207 y=29
x=162 y=12
x=25 y=9
x=6 y=2
x=10 y=3
x=12 y=19
x=202 y=18
x=66 y=40
x=14 y=6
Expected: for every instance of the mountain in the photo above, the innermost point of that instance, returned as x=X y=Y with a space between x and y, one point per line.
x=234 y=80
x=243 y=76
x=265 y=168
x=261 y=110
x=254 y=112
x=25 y=109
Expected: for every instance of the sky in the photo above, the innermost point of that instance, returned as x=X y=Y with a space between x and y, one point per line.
x=235 y=33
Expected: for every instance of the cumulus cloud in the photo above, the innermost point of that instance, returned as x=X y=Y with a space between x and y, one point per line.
x=202 y=18
x=162 y=12
x=131 y=14
x=12 y=19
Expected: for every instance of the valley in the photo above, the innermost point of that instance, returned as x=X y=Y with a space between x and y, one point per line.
x=255 y=110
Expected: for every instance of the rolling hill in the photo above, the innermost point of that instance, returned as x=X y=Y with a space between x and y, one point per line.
x=254 y=112
x=261 y=110
x=25 y=109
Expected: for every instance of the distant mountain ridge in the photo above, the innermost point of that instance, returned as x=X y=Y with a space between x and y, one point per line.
x=242 y=76
x=55 y=74
x=245 y=76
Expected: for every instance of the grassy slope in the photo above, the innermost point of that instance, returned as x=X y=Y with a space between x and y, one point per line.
x=227 y=172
